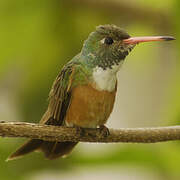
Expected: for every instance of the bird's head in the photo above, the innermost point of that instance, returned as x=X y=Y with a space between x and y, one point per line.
x=108 y=46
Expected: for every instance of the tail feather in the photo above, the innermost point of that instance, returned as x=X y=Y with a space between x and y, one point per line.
x=26 y=148
x=51 y=150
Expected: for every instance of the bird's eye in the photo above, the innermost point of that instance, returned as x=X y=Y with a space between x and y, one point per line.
x=108 y=40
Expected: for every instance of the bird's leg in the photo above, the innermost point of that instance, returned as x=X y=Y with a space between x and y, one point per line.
x=80 y=130
x=104 y=131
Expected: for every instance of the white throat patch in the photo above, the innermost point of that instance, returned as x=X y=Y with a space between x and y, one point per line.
x=106 y=79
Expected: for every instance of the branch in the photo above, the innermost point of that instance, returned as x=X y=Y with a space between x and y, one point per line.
x=55 y=133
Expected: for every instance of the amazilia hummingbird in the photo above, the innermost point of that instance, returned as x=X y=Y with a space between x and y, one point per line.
x=83 y=93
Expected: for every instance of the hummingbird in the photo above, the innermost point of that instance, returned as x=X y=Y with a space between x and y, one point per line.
x=83 y=94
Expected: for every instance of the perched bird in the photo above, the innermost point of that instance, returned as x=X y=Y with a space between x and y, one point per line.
x=83 y=93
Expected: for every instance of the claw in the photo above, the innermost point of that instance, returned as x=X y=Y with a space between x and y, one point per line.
x=104 y=131
x=80 y=131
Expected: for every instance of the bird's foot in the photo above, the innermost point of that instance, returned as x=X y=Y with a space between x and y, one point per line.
x=80 y=131
x=104 y=131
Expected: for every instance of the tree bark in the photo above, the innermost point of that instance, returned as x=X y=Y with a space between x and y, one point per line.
x=59 y=133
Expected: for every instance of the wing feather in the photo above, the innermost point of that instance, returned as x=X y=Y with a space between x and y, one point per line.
x=59 y=97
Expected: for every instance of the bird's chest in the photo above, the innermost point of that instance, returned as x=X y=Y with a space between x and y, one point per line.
x=89 y=107
x=105 y=79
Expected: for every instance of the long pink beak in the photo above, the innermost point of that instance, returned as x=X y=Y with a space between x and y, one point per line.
x=135 y=40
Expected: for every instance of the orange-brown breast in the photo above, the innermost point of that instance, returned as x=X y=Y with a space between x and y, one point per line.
x=89 y=107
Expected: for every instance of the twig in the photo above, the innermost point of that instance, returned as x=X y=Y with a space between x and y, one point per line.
x=55 y=133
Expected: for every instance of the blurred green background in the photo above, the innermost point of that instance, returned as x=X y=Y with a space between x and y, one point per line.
x=38 y=37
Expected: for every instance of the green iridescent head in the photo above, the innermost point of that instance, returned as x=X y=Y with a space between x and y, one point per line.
x=108 y=45
x=105 y=46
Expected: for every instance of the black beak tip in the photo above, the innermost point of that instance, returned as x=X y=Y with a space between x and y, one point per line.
x=168 y=38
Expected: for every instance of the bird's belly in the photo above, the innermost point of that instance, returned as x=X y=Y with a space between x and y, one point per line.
x=89 y=107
